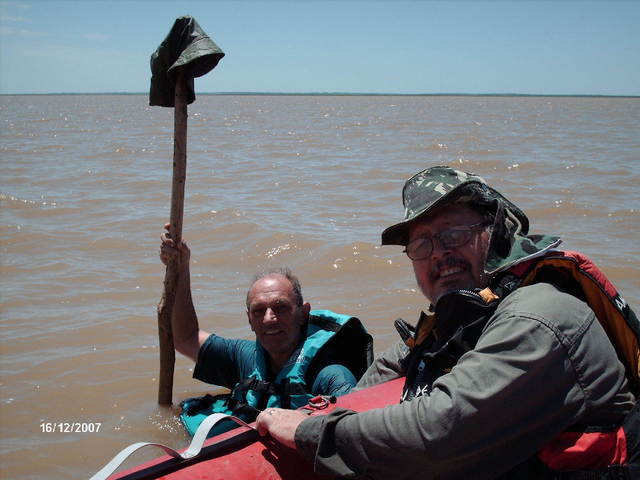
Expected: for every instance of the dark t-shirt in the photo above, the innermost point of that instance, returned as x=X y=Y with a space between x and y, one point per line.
x=224 y=362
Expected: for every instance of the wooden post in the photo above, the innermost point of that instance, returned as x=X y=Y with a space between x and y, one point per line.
x=165 y=307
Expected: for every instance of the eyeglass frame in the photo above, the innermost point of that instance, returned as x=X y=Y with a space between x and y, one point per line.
x=438 y=236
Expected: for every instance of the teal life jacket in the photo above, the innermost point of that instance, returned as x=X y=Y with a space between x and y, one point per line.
x=331 y=338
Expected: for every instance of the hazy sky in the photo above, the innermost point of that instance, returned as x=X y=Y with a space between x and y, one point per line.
x=540 y=47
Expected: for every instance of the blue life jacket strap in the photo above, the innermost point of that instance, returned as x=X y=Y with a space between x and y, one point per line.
x=270 y=388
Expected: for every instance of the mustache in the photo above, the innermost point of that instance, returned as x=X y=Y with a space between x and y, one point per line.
x=449 y=262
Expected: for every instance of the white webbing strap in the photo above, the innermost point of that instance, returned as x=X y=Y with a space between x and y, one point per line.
x=194 y=447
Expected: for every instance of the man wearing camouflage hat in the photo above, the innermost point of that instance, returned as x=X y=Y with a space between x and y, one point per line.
x=498 y=371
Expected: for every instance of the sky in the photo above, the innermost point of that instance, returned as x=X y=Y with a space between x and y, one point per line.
x=406 y=47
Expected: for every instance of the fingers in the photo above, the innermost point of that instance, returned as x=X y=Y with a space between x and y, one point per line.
x=167 y=247
x=280 y=424
x=169 y=251
x=262 y=423
x=166 y=239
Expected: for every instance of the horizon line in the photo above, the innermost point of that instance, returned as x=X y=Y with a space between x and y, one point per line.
x=348 y=94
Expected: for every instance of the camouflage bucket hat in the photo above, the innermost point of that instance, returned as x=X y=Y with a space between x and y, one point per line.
x=440 y=185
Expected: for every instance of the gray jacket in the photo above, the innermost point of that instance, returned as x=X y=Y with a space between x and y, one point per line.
x=542 y=364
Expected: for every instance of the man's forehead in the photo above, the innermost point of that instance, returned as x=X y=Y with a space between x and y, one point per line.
x=270 y=299
x=271 y=289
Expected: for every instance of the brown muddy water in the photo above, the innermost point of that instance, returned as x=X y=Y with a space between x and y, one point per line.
x=303 y=181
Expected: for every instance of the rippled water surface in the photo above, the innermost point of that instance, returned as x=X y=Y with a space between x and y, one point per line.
x=303 y=181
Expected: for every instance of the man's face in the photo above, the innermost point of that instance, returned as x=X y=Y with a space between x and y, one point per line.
x=274 y=316
x=447 y=269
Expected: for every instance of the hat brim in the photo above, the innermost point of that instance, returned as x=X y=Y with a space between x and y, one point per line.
x=398 y=234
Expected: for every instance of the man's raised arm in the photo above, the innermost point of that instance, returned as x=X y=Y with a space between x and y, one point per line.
x=187 y=336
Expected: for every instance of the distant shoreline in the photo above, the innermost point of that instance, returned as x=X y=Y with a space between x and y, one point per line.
x=339 y=94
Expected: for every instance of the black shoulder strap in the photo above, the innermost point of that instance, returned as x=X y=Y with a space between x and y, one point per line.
x=270 y=388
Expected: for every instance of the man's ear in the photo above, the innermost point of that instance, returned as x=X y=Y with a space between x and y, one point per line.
x=305 y=309
x=249 y=319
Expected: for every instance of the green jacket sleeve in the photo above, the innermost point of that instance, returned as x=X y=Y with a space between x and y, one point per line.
x=385 y=367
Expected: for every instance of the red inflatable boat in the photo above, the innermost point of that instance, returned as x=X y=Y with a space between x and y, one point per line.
x=242 y=454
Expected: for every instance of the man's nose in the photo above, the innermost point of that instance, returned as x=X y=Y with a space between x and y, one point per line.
x=269 y=316
x=439 y=250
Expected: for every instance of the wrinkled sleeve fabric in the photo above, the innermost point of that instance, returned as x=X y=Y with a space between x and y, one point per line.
x=223 y=361
x=385 y=367
x=541 y=364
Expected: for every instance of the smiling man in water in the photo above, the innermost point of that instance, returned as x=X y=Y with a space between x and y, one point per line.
x=297 y=354
x=510 y=375
x=278 y=317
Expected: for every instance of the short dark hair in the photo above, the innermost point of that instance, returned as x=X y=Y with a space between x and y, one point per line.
x=286 y=273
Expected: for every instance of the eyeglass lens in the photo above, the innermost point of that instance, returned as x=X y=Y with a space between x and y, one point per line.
x=453 y=237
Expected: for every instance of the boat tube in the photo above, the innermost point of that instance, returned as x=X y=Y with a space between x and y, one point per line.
x=241 y=453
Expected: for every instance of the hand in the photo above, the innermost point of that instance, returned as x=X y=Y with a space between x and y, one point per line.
x=280 y=424
x=168 y=250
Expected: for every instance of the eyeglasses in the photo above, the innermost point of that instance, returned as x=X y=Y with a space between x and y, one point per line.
x=422 y=247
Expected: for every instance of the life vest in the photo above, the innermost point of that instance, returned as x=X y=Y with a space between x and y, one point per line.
x=434 y=352
x=580 y=453
x=618 y=320
x=332 y=338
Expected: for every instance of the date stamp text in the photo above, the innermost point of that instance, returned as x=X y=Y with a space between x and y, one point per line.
x=70 y=427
